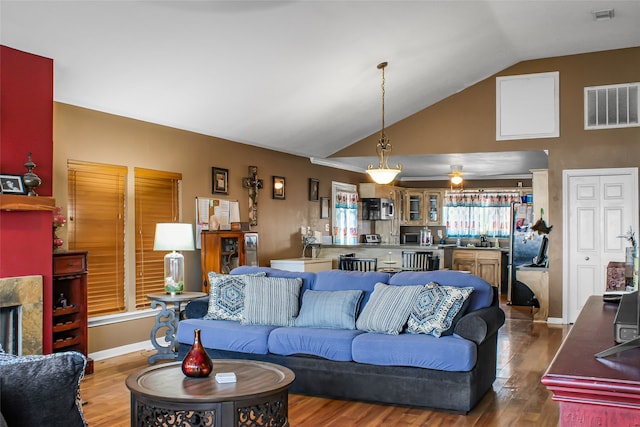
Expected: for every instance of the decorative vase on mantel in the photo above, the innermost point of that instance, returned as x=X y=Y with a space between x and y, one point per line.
x=30 y=179
x=197 y=363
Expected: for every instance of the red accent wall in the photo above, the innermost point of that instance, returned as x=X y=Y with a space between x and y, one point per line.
x=26 y=125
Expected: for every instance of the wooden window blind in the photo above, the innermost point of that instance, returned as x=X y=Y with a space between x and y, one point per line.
x=96 y=224
x=157 y=200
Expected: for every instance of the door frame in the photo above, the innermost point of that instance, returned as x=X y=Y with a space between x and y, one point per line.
x=566 y=175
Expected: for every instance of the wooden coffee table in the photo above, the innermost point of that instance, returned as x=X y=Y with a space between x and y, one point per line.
x=163 y=395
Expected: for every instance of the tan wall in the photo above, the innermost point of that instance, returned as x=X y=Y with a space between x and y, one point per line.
x=465 y=123
x=87 y=135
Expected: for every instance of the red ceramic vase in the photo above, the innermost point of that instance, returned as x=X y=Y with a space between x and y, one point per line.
x=197 y=363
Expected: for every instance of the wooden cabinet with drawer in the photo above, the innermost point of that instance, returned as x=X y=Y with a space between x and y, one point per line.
x=70 y=303
x=484 y=263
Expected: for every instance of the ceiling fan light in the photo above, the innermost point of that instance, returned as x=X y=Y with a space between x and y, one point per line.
x=456 y=180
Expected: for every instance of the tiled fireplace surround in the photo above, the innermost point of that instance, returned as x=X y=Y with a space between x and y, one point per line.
x=25 y=291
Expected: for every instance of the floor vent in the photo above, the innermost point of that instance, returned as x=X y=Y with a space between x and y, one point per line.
x=611 y=106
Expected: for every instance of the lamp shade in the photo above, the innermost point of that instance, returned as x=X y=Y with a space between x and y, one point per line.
x=383 y=175
x=173 y=236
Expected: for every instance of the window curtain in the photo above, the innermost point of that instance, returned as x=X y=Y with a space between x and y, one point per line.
x=473 y=214
x=346 y=227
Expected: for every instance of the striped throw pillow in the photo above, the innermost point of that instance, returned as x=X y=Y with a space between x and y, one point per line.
x=271 y=301
x=388 y=308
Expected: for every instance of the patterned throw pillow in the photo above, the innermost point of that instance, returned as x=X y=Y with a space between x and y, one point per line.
x=437 y=308
x=329 y=309
x=388 y=308
x=226 y=296
x=271 y=301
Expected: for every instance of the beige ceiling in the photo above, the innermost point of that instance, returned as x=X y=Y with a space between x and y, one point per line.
x=294 y=76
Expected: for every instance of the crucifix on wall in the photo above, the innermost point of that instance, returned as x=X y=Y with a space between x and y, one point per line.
x=253 y=184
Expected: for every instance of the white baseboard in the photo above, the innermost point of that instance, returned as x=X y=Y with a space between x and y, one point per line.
x=119 y=351
x=555 y=321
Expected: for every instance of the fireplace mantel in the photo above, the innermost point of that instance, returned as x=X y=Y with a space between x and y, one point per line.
x=13 y=202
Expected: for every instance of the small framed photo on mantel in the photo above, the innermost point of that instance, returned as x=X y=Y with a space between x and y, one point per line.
x=220 y=180
x=11 y=184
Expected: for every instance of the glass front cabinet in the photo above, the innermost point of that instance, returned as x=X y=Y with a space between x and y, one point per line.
x=433 y=202
x=415 y=208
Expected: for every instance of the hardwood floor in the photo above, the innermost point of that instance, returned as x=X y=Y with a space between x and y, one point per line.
x=525 y=350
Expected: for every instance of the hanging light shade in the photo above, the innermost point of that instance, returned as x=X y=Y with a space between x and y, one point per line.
x=456 y=176
x=383 y=174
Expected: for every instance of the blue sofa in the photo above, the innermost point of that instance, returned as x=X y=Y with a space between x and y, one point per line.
x=451 y=372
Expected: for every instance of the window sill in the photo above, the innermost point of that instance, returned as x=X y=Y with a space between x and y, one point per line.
x=110 y=319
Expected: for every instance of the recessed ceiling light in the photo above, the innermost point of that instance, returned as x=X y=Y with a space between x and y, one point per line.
x=602 y=15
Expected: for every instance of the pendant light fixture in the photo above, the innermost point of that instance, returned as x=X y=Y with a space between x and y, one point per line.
x=383 y=174
x=456 y=177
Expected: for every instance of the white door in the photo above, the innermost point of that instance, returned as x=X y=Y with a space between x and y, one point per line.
x=600 y=206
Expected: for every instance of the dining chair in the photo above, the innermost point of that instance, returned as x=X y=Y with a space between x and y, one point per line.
x=416 y=260
x=341 y=258
x=360 y=264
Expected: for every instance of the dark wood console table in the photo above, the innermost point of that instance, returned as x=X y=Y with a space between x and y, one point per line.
x=595 y=391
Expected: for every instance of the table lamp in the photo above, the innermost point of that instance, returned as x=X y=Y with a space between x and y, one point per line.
x=173 y=237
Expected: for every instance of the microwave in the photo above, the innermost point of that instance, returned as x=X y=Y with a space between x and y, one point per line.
x=410 y=238
x=377 y=209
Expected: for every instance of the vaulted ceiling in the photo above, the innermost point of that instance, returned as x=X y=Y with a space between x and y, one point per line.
x=294 y=76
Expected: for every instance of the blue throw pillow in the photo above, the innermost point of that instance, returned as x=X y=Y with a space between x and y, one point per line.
x=271 y=301
x=226 y=296
x=329 y=309
x=388 y=308
x=437 y=309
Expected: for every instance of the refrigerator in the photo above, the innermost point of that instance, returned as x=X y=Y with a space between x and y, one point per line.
x=525 y=244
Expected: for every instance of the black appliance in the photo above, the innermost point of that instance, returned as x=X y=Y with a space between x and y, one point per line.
x=374 y=209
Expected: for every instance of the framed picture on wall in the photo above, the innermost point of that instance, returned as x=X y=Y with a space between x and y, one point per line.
x=11 y=184
x=220 y=180
x=314 y=185
x=278 y=187
x=324 y=207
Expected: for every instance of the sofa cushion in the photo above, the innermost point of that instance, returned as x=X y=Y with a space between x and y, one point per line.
x=481 y=297
x=226 y=335
x=271 y=301
x=42 y=390
x=388 y=308
x=308 y=278
x=450 y=353
x=226 y=296
x=329 y=309
x=340 y=280
x=437 y=308
x=332 y=344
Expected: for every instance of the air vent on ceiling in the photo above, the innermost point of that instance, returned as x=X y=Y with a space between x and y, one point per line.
x=611 y=106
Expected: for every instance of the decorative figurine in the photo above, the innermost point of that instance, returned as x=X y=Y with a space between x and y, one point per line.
x=30 y=179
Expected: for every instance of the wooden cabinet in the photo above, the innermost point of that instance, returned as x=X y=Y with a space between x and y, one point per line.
x=414 y=210
x=70 y=303
x=433 y=207
x=484 y=263
x=221 y=252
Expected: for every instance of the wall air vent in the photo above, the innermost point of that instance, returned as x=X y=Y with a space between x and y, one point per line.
x=611 y=106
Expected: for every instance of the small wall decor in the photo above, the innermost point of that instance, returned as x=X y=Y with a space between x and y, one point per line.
x=324 y=207
x=219 y=180
x=253 y=184
x=278 y=187
x=11 y=184
x=314 y=185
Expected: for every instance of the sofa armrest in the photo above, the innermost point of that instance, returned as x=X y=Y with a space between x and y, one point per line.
x=478 y=325
x=197 y=308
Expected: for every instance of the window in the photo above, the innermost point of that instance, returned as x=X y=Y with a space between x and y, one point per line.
x=474 y=213
x=96 y=224
x=156 y=196
x=97 y=212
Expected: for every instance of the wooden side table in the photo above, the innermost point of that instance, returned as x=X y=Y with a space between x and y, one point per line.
x=168 y=317
x=163 y=395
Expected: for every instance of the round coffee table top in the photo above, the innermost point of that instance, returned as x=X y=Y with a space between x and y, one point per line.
x=167 y=382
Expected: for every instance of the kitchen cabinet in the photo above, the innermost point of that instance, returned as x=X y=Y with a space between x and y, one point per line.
x=414 y=209
x=485 y=263
x=221 y=252
x=433 y=203
x=369 y=190
x=70 y=304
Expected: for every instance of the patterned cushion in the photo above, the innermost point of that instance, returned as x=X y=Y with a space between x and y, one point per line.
x=271 y=301
x=329 y=309
x=226 y=296
x=437 y=308
x=388 y=308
